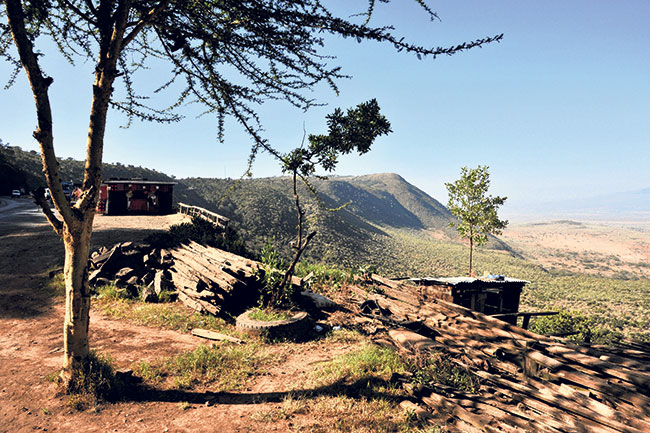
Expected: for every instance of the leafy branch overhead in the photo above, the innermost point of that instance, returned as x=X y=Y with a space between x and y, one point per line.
x=354 y=130
x=225 y=55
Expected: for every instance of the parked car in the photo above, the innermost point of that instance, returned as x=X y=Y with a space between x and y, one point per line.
x=15 y=193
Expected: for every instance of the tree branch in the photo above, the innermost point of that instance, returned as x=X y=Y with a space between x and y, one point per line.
x=79 y=12
x=144 y=22
x=39 y=199
x=111 y=38
x=87 y=199
x=39 y=85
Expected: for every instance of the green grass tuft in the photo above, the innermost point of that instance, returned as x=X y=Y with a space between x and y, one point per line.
x=91 y=383
x=369 y=362
x=430 y=369
x=172 y=316
x=226 y=366
x=269 y=315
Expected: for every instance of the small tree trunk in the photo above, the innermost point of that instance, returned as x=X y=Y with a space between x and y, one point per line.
x=471 y=250
x=77 y=305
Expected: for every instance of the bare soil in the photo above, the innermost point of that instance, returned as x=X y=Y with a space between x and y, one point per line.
x=31 y=323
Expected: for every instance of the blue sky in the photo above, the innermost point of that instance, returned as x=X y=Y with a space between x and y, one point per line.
x=559 y=109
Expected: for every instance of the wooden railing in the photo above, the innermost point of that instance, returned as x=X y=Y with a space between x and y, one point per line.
x=195 y=211
x=526 y=316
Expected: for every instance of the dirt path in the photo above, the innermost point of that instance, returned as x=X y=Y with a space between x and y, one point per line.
x=31 y=338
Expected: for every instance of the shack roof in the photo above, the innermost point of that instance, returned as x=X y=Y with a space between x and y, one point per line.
x=139 y=181
x=455 y=281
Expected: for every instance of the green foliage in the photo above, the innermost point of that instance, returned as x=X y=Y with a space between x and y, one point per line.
x=586 y=328
x=325 y=277
x=356 y=130
x=113 y=292
x=430 y=369
x=272 y=294
x=226 y=366
x=476 y=211
x=56 y=284
x=203 y=232
x=30 y=169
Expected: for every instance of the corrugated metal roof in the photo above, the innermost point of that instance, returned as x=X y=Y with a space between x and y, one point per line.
x=453 y=281
x=139 y=181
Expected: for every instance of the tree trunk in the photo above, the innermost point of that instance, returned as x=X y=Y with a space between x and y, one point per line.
x=471 y=250
x=77 y=305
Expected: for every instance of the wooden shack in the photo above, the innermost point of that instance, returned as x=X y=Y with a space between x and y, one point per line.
x=135 y=197
x=492 y=296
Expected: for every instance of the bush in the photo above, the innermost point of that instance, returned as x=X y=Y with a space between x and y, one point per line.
x=271 y=273
x=202 y=232
x=585 y=328
x=325 y=277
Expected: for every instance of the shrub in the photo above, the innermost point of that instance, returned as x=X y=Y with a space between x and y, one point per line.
x=202 y=232
x=585 y=328
x=272 y=296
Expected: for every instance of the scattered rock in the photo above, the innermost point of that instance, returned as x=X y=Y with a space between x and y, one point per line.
x=162 y=283
x=319 y=301
x=124 y=274
x=149 y=294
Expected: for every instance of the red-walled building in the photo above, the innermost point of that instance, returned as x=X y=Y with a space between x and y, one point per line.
x=135 y=197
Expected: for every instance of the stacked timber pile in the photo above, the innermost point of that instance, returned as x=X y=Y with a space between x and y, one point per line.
x=209 y=280
x=528 y=382
x=214 y=281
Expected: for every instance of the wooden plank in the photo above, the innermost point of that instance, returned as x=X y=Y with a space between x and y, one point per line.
x=212 y=335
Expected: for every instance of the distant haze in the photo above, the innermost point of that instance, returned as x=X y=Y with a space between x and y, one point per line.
x=623 y=206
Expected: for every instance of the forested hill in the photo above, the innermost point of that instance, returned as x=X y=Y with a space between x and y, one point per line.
x=377 y=203
x=264 y=208
x=23 y=169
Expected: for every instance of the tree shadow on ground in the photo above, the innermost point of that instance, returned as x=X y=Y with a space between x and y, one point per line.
x=363 y=387
x=30 y=251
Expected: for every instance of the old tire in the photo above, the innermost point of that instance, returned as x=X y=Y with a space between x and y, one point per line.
x=296 y=327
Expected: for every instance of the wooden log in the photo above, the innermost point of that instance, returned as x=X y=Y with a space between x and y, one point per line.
x=198 y=305
x=212 y=335
x=204 y=268
x=441 y=403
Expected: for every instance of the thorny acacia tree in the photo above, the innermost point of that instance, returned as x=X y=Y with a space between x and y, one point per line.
x=476 y=211
x=228 y=55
